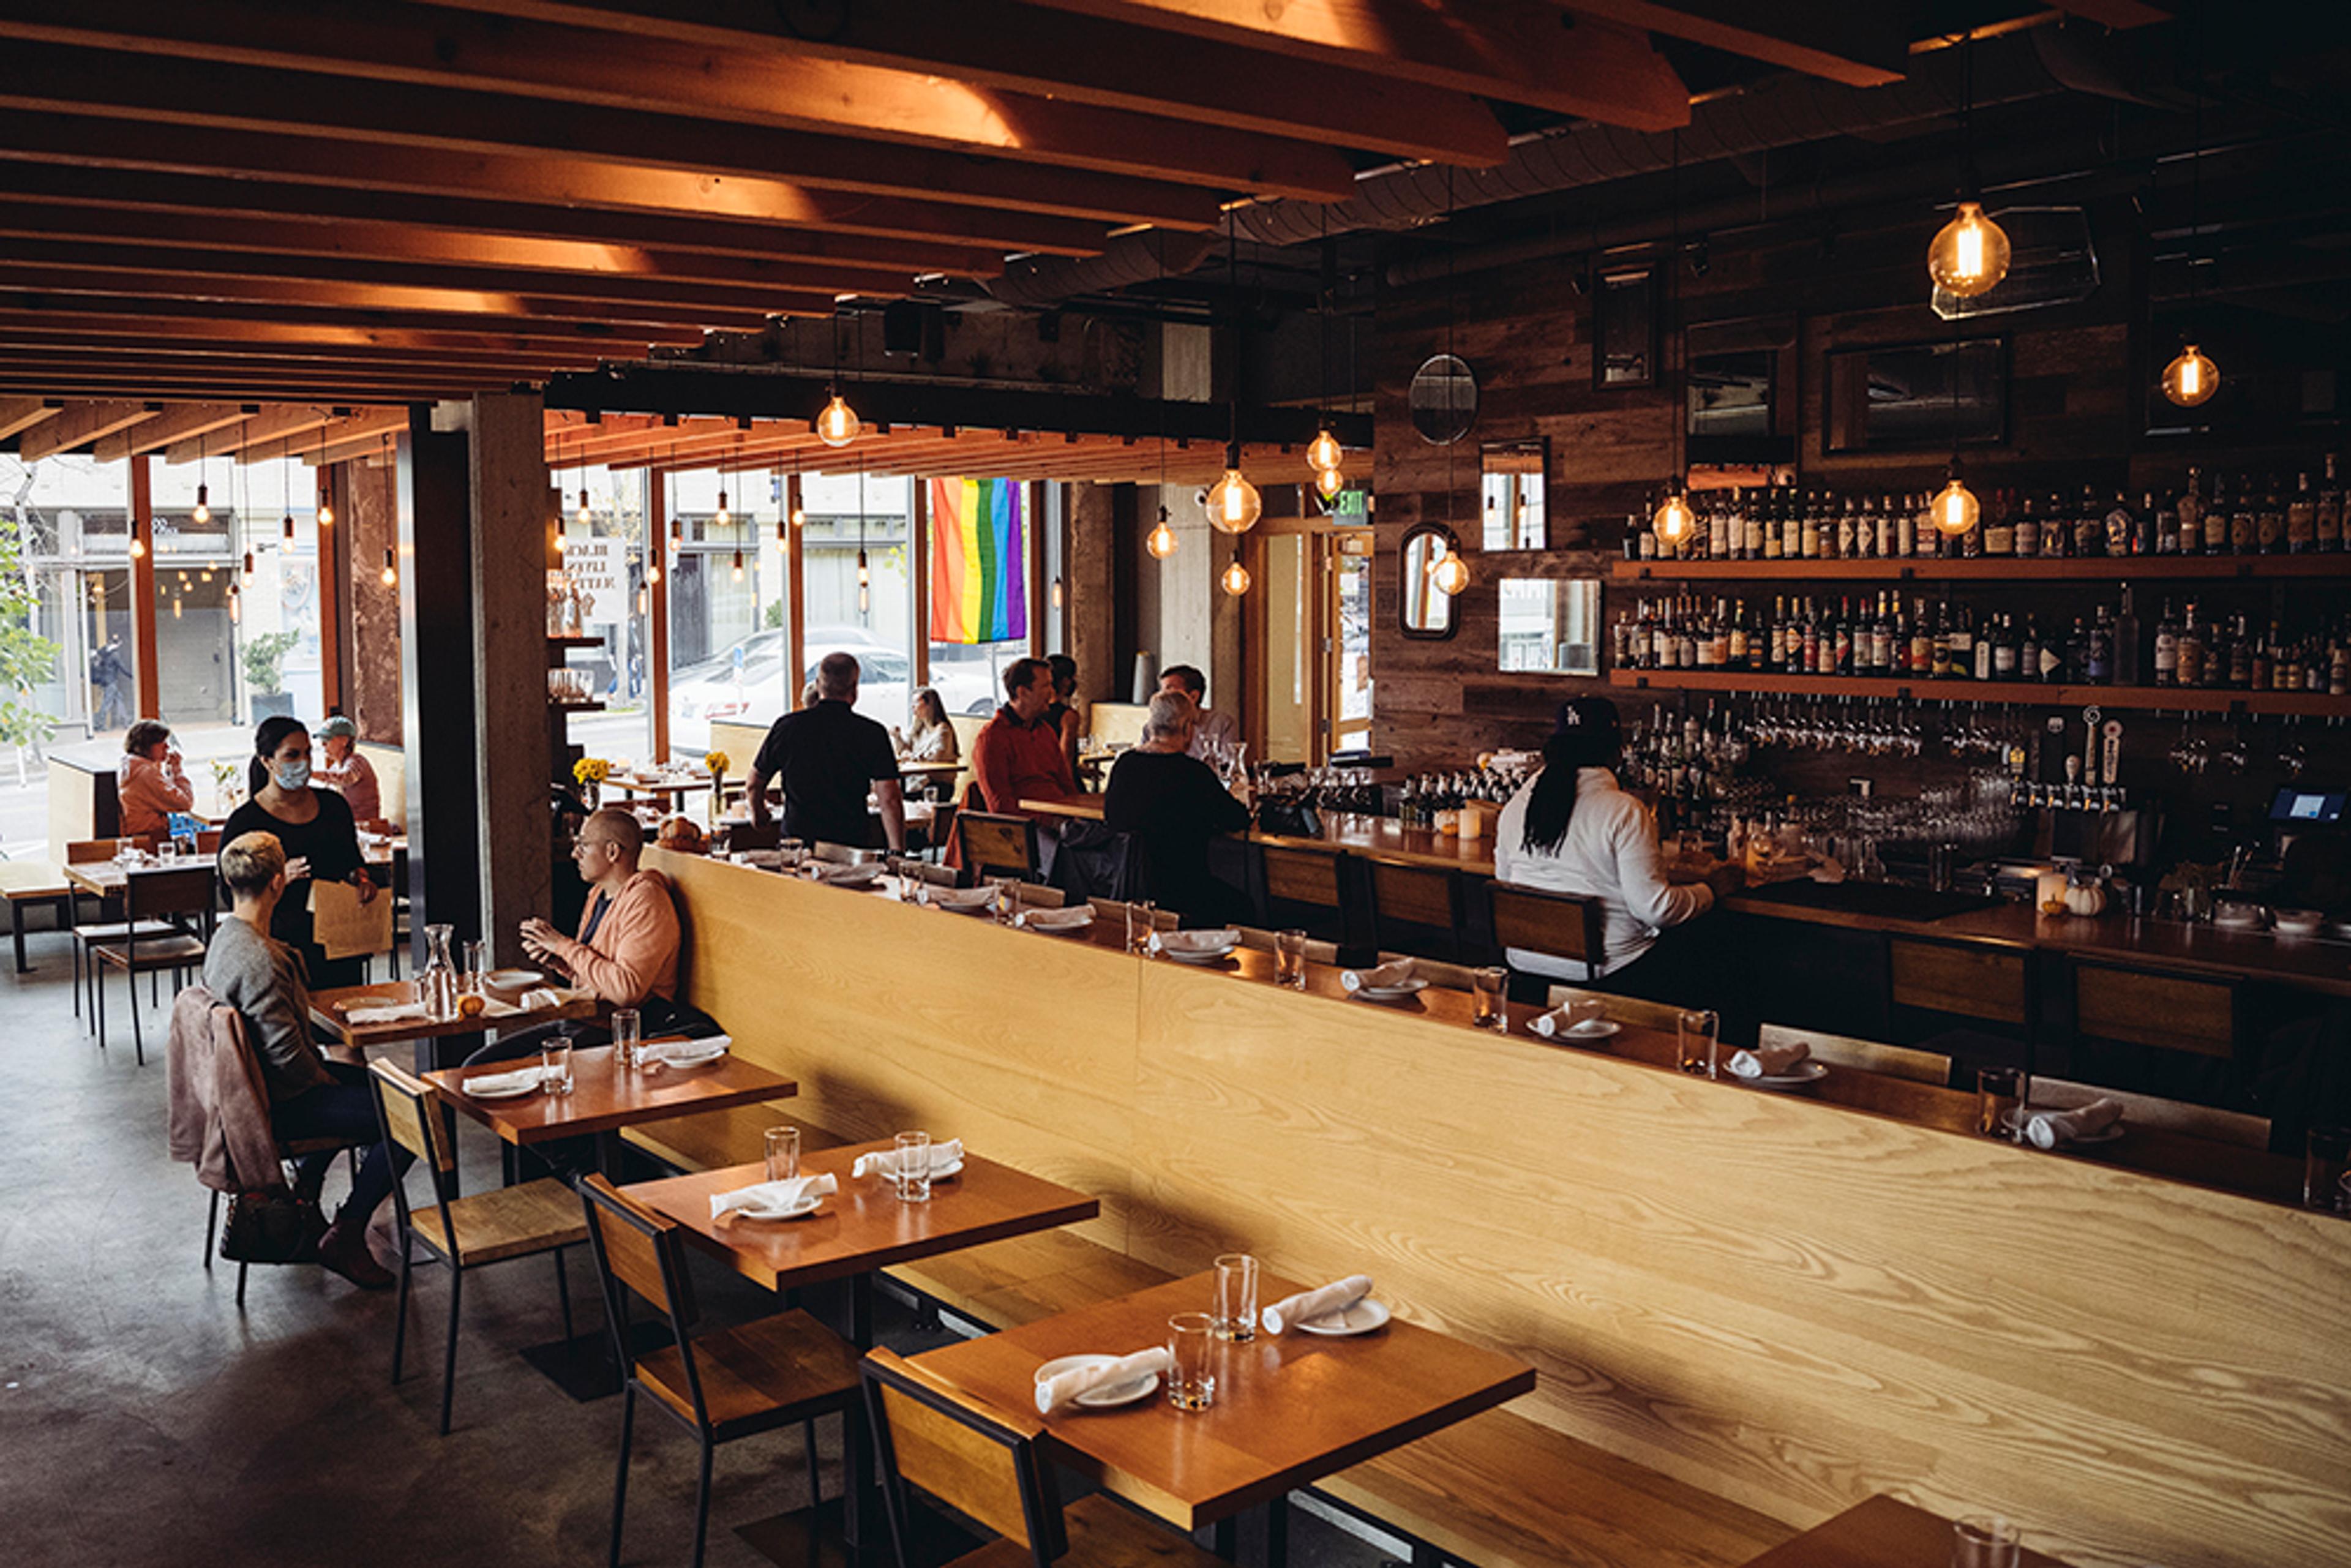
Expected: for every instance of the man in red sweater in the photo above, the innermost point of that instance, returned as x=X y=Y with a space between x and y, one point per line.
x=1018 y=754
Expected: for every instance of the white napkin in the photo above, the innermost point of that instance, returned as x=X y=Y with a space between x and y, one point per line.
x=1054 y=919
x=773 y=1194
x=884 y=1162
x=493 y=1008
x=1195 y=941
x=539 y=998
x=2047 y=1129
x=1566 y=1016
x=1052 y=1393
x=1770 y=1060
x=504 y=1082
x=671 y=1049
x=1395 y=972
x=402 y=1012
x=1307 y=1305
x=849 y=873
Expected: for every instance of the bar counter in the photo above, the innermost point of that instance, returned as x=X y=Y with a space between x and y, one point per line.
x=1792 y=1301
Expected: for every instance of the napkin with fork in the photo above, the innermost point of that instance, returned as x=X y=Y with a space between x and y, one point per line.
x=1307 y=1305
x=1395 y=972
x=2045 y=1129
x=884 y=1162
x=1052 y=1393
x=772 y=1195
x=504 y=1082
x=1567 y=1016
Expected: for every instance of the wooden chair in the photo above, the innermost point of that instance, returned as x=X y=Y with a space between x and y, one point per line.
x=721 y=1385
x=1864 y=1055
x=1305 y=889
x=83 y=851
x=984 y=1464
x=1556 y=924
x=2234 y=1128
x=464 y=1233
x=989 y=843
x=164 y=909
x=1640 y=1014
x=1417 y=907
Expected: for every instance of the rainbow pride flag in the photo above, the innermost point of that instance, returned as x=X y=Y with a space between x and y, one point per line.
x=978 y=591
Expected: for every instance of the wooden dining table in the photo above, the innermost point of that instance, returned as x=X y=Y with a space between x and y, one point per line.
x=607 y=1095
x=1290 y=1408
x=330 y=1007
x=1882 y=1532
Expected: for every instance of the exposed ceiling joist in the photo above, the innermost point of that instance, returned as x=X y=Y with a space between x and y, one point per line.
x=21 y=413
x=230 y=321
x=1858 y=45
x=79 y=425
x=175 y=423
x=269 y=424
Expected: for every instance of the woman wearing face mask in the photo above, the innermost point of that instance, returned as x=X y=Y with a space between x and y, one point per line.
x=320 y=840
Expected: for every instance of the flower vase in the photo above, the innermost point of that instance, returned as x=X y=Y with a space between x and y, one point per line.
x=588 y=793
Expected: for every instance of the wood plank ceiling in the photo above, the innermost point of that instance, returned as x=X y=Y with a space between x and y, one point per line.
x=341 y=202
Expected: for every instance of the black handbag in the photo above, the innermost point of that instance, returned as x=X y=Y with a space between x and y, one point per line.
x=273 y=1226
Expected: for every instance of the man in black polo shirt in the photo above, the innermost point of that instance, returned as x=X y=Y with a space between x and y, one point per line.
x=828 y=755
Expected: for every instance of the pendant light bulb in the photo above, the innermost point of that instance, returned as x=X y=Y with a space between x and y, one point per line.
x=738 y=566
x=390 y=576
x=838 y=425
x=1234 y=504
x=864 y=572
x=1969 y=256
x=137 y=543
x=1236 y=580
x=203 y=512
x=1324 y=455
x=724 y=517
x=326 y=511
x=289 y=527
x=235 y=606
x=1328 y=483
x=1451 y=574
x=1956 y=508
x=1162 y=541
x=175 y=609
x=783 y=529
x=248 y=564
x=865 y=601
x=653 y=572
x=587 y=512
x=2191 y=379
x=1673 y=518
x=799 y=517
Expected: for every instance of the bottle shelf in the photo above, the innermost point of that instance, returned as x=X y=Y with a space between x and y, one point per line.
x=2028 y=693
x=1994 y=568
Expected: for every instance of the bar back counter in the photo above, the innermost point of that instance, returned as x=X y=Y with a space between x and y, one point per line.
x=1791 y=1303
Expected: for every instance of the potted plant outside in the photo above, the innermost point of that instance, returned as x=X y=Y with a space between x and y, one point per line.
x=265 y=673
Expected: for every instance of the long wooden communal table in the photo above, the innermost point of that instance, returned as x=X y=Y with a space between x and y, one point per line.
x=1792 y=1303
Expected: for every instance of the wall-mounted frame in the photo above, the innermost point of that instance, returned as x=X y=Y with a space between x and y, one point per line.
x=1424 y=609
x=1549 y=625
x=1915 y=397
x=1625 y=335
x=1513 y=479
x=1741 y=390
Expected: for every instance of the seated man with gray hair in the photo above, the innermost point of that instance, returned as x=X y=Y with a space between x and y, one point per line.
x=828 y=756
x=1174 y=803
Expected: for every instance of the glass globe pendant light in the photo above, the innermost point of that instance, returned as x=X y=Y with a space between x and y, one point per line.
x=1236 y=580
x=1450 y=575
x=1162 y=540
x=1328 y=483
x=1673 y=519
x=2190 y=378
x=1234 y=504
x=1955 y=507
x=1323 y=454
x=1969 y=256
x=838 y=425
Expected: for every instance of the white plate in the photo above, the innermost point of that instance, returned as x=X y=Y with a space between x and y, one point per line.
x=696 y=1059
x=1591 y=1029
x=512 y=979
x=1195 y=955
x=514 y=1093
x=851 y=876
x=1365 y=1316
x=1391 y=993
x=962 y=900
x=938 y=1172
x=1803 y=1073
x=800 y=1210
x=1110 y=1398
x=2016 y=1124
x=1059 y=921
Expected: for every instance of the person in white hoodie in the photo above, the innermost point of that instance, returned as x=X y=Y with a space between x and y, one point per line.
x=1570 y=829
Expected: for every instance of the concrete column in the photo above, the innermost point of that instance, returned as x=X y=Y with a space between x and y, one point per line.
x=433 y=559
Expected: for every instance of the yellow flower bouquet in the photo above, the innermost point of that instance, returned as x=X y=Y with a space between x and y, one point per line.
x=590 y=770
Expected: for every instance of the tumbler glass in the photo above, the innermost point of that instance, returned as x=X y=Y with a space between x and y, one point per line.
x=1139 y=917
x=2326 y=1160
x=1695 y=1034
x=555 y=1066
x=911 y=1167
x=783 y=1145
x=1289 y=959
x=2000 y=1101
x=1489 y=984
x=628 y=1037
x=1984 y=1540
x=1190 y=1384
x=1234 y=1308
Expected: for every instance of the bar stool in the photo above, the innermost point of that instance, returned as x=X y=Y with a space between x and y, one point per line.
x=1564 y=925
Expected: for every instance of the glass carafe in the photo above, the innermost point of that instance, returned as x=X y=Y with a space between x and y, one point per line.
x=436 y=983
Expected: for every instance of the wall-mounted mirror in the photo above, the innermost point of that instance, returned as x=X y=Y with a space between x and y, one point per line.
x=1444 y=399
x=1426 y=610
x=1741 y=390
x=1625 y=329
x=1511 y=482
x=1918 y=396
x=1551 y=625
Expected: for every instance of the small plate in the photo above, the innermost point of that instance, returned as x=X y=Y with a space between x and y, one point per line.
x=806 y=1206
x=851 y=876
x=697 y=1059
x=1110 y=1398
x=1362 y=1317
x=962 y=900
x=1059 y=922
x=1391 y=993
x=2016 y=1120
x=514 y=1093
x=1591 y=1029
x=1195 y=956
x=1803 y=1073
x=513 y=979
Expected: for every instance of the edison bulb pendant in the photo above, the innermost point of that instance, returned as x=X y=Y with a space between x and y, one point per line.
x=203 y=512
x=1673 y=519
x=1328 y=483
x=838 y=425
x=1452 y=574
x=1234 y=504
x=1162 y=540
x=1236 y=580
x=724 y=517
x=1323 y=453
x=2190 y=378
x=1955 y=509
x=587 y=512
x=1969 y=256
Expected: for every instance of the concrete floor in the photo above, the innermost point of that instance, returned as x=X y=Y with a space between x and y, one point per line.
x=145 y=1419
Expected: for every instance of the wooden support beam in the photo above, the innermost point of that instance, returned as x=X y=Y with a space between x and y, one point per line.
x=67 y=386
x=1083 y=59
x=269 y=424
x=77 y=425
x=146 y=668
x=2114 y=12
x=1860 y=46
x=657 y=614
x=225 y=317
x=433 y=46
x=175 y=423
x=385 y=116
x=21 y=413
x=95 y=345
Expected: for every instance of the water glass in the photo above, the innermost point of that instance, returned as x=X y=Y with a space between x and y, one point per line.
x=783 y=1153
x=1005 y=902
x=477 y=965
x=1984 y=1540
x=555 y=1066
x=628 y=1037
x=2000 y=1101
x=1289 y=959
x=1487 y=985
x=1140 y=915
x=2326 y=1163
x=1235 y=1307
x=911 y=1167
x=1190 y=1384
x=1695 y=1035
x=793 y=852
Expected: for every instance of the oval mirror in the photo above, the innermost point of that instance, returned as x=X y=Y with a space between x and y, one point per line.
x=1427 y=611
x=1444 y=399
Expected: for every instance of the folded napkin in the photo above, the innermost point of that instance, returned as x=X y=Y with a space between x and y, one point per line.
x=504 y=1082
x=1770 y=1060
x=1195 y=941
x=493 y=1008
x=1561 y=1019
x=548 y=997
x=672 y=1050
x=773 y=1194
x=401 y=1012
x=884 y=1162
x=1307 y=1305
x=1052 y=1393
x=1395 y=972
x=848 y=873
x=1055 y=919
x=2047 y=1129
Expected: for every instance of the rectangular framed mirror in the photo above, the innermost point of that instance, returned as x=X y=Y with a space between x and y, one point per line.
x=1512 y=478
x=1551 y=625
x=1742 y=391
x=1625 y=329
x=1915 y=397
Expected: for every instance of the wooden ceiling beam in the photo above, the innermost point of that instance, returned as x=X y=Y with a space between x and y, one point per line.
x=1860 y=46
x=21 y=413
x=2114 y=12
x=433 y=47
x=175 y=423
x=129 y=353
x=563 y=339
x=70 y=79
x=1517 y=51
x=350 y=435
x=269 y=424
x=1083 y=59
x=17 y=377
x=77 y=425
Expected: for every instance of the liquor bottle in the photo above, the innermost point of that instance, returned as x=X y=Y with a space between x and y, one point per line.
x=1751 y=516
x=1791 y=524
x=1722 y=630
x=1906 y=525
x=2188 y=660
x=2056 y=529
x=2028 y=529
x=2302 y=517
x=2027 y=651
x=1941 y=642
x=2241 y=657
x=2090 y=526
x=2270 y=658
x=1882 y=527
x=2098 y=653
x=1737 y=645
x=1921 y=662
x=1808 y=524
x=1810 y=663
x=2129 y=659
x=1840 y=650
x=1881 y=638
x=2268 y=520
x=2005 y=656
x=2166 y=527
x=1643 y=640
x=1999 y=527
x=1926 y=539
x=2166 y=648
x=2216 y=519
x=2327 y=521
x=2245 y=520
x=1848 y=531
x=1702 y=638
x=1986 y=651
x=2124 y=528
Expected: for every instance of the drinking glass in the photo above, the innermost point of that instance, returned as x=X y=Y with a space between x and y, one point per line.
x=2000 y=1101
x=555 y=1066
x=1235 y=1307
x=476 y=967
x=783 y=1153
x=1984 y=1540
x=628 y=1037
x=793 y=852
x=912 y=1167
x=1190 y=1384
x=1139 y=917
x=1004 y=901
x=1695 y=1035
x=1489 y=984
x=1289 y=958
x=2326 y=1158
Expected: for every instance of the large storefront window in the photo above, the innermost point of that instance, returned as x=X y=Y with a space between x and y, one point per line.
x=850 y=516
x=729 y=604
x=236 y=594
x=604 y=558
x=979 y=615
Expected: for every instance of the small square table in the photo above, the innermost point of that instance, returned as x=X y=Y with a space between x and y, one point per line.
x=1883 y=1532
x=1290 y=1408
x=606 y=1097
x=329 y=1005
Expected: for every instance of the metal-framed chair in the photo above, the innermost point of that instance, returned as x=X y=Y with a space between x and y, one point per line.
x=1556 y=924
x=168 y=915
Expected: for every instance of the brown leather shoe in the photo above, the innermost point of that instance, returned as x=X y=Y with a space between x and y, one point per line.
x=343 y=1249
